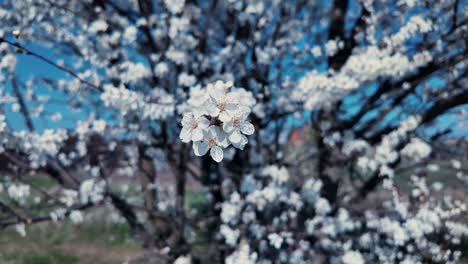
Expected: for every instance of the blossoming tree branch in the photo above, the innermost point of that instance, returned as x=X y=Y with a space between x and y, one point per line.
x=312 y=128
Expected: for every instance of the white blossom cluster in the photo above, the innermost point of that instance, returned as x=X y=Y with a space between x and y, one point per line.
x=414 y=230
x=216 y=117
x=159 y=106
x=133 y=72
x=76 y=217
x=8 y=62
x=69 y=197
x=264 y=211
x=365 y=65
x=416 y=24
x=175 y=6
x=58 y=214
x=269 y=223
x=416 y=149
x=98 y=26
x=242 y=256
x=40 y=146
x=353 y=257
x=317 y=88
x=19 y=192
x=379 y=158
x=92 y=191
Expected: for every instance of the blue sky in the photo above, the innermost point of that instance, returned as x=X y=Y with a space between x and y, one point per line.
x=28 y=67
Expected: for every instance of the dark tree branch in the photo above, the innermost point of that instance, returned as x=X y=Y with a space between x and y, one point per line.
x=23 y=107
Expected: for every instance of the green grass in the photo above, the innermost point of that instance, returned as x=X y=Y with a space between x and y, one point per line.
x=195 y=199
x=45 y=258
x=41 y=181
x=65 y=243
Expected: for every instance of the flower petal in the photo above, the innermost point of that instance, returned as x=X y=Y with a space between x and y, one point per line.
x=224 y=116
x=212 y=109
x=231 y=107
x=219 y=134
x=197 y=134
x=203 y=122
x=247 y=128
x=235 y=136
x=185 y=134
x=216 y=153
x=228 y=127
x=200 y=148
x=187 y=119
x=239 y=146
x=241 y=143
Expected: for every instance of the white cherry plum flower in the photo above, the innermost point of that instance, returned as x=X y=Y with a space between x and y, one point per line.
x=214 y=140
x=193 y=127
x=237 y=127
x=221 y=103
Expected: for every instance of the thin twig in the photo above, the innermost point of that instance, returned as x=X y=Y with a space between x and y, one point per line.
x=50 y=62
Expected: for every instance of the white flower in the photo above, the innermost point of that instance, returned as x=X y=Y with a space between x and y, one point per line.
x=18 y=192
x=177 y=56
x=91 y=191
x=98 y=26
x=8 y=62
x=16 y=33
x=275 y=240
x=417 y=149
x=242 y=255
x=20 y=228
x=186 y=79
x=69 y=197
x=331 y=47
x=433 y=167
x=278 y=174
x=322 y=206
x=455 y=163
x=183 y=260
x=133 y=72
x=175 y=6
x=237 y=125
x=2 y=123
x=229 y=212
x=243 y=98
x=198 y=96
x=76 y=217
x=99 y=125
x=352 y=257
x=316 y=51
x=255 y=7
x=161 y=69
x=221 y=104
x=229 y=234
x=214 y=140
x=230 y=209
x=130 y=34
x=57 y=214
x=193 y=127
